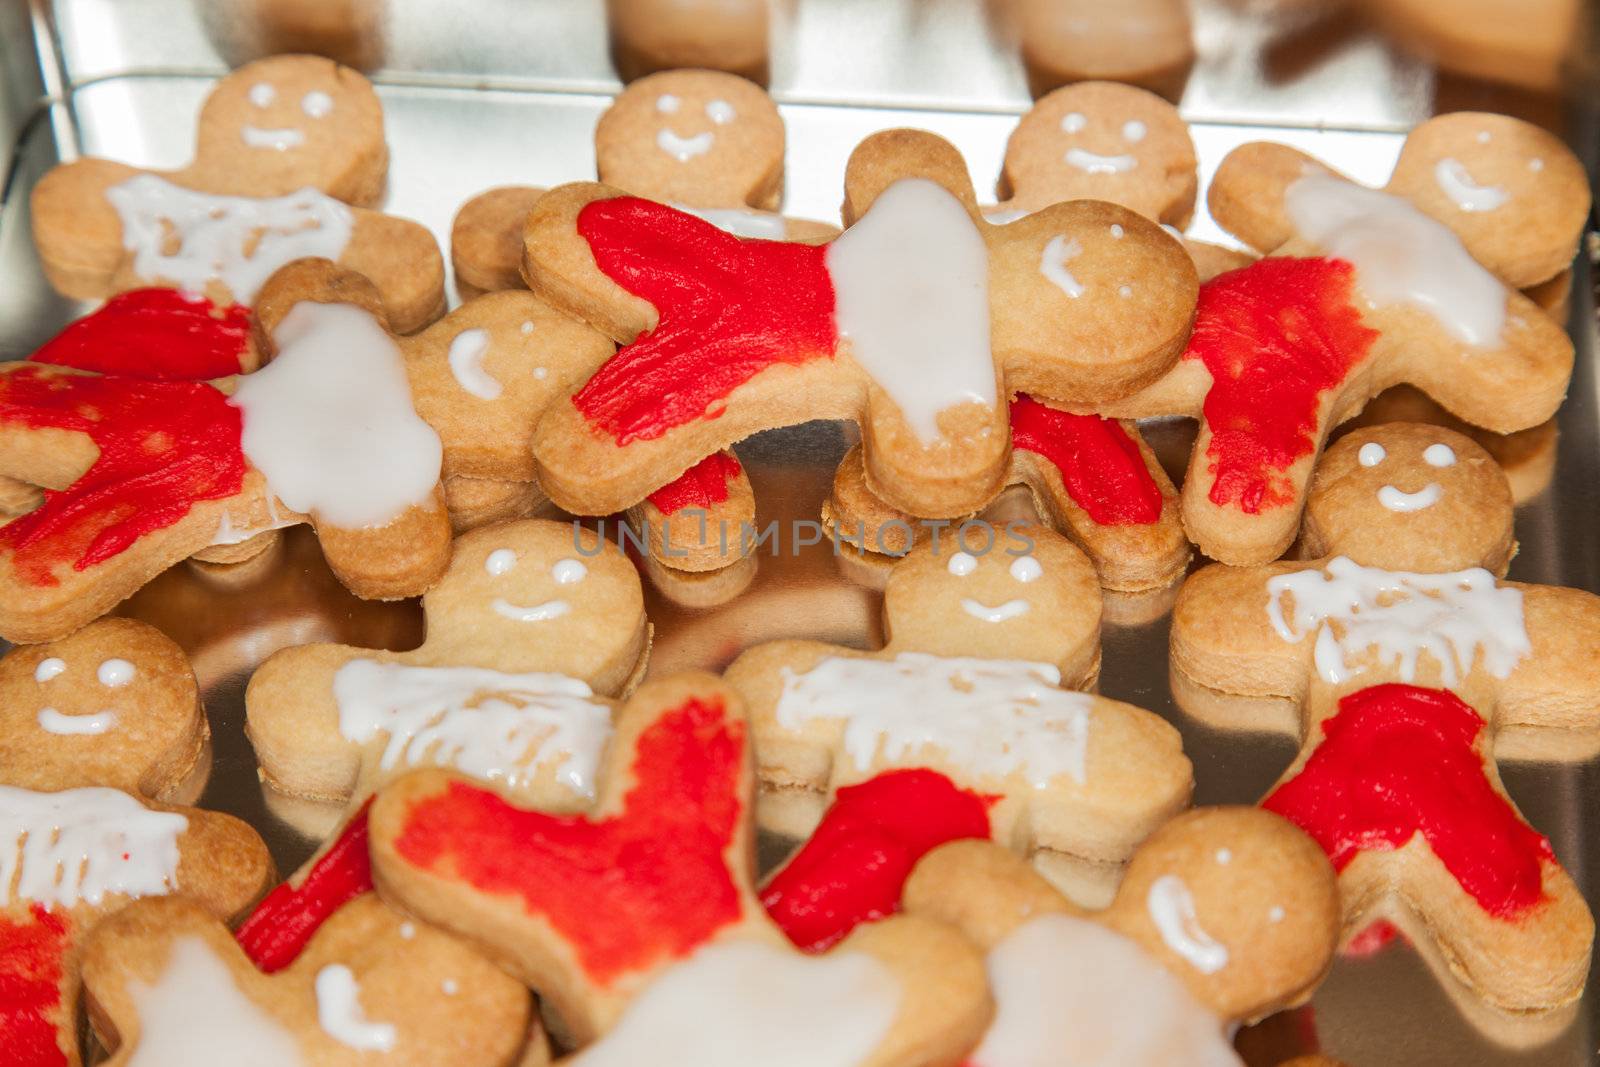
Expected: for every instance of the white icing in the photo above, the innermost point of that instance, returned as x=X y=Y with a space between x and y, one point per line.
x=1483 y=137
x=55 y=722
x=1453 y=618
x=1371 y=454
x=407 y=931
x=330 y=422
x=317 y=104
x=962 y=564
x=467 y=350
x=741 y=222
x=1125 y=291
x=1171 y=908
x=1397 y=500
x=280 y=140
x=236 y=240
x=1026 y=569
x=195 y=1015
x=1401 y=255
x=1074 y=122
x=1224 y=856
x=540 y=373
x=1117 y=231
x=1052 y=264
x=1276 y=914
x=262 y=94
x=568 y=571
x=738 y=1003
x=999 y=613
x=499 y=561
x=340 y=1016
x=115 y=672
x=1093 y=163
x=1439 y=455
x=1005 y=216
x=550 y=609
x=49 y=668
x=229 y=534
x=525 y=329
x=721 y=112
x=1133 y=131
x=1071 y=993
x=668 y=104
x=449 y=987
x=911 y=280
x=83 y=844
x=1456 y=181
x=1536 y=165
x=684 y=149
x=995 y=717
x=491 y=725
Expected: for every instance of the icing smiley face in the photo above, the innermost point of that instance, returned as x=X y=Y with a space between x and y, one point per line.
x=1409 y=496
x=112 y=673
x=1103 y=141
x=290 y=122
x=1007 y=599
x=700 y=138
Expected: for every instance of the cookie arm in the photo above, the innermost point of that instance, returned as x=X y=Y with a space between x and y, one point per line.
x=75 y=228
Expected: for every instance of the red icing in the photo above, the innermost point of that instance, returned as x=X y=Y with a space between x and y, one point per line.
x=1101 y=466
x=1276 y=336
x=701 y=486
x=279 y=928
x=626 y=892
x=727 y=310
x=1398 y=760
x=854 y=866
x=154 y=333
x=31 y=953
x=164 y=447
x=1372 y=939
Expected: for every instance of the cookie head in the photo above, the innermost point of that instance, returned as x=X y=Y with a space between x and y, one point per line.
x=303 y=119
x=1410 y=496
x=1018 y=592
x=696 y=137
x=1103 y=141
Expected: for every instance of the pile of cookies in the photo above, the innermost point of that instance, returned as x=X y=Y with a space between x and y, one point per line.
x=538 y=855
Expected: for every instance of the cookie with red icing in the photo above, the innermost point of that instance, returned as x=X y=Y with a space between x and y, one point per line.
x=1093 y=479
x=98 y=732
x=1405 y=667
x=988 y=647
x=639 y=915
x=141 y=473
x=915 y=323
x=289 y=159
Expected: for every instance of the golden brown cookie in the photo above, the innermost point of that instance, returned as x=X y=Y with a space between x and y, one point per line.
x=652 y=35
x=1145 y=42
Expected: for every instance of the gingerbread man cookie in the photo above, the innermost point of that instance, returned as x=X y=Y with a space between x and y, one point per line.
x=144 y=473
x=1408 y=665
x=1225 y=916
x=701 y=140
x=971 y=685
x=169 y=985
x=640 y=915
x=1375 y=294
x=661 y=35
x=94 y=729
x=1145 y=42
x=1515 y=195
x=1093 y=479
x=290 y=154
x=725 y=337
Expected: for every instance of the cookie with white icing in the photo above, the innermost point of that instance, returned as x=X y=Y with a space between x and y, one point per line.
x=1406 y=667
x=289 y=158
x=640 y=915
x=95 y=730
x=978 y=681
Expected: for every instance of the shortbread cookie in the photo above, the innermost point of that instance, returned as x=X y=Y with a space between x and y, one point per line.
x=651 y=35
x=971 y=685
x=1525 y=44
x=1226 y=915
x=1514 y=195
x=701 y=522
x=1092 y=479
x=168 y=984
x=1376 y=294
x=628 y=918
x=327 y=433
x=93 y=729
x=290 y=155
x=1145 y=42
x=1082 y=302
x=1408 y=675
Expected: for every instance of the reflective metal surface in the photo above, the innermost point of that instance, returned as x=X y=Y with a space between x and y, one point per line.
x=508 y=90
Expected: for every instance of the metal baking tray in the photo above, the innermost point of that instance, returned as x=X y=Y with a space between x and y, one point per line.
x=501 y=91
